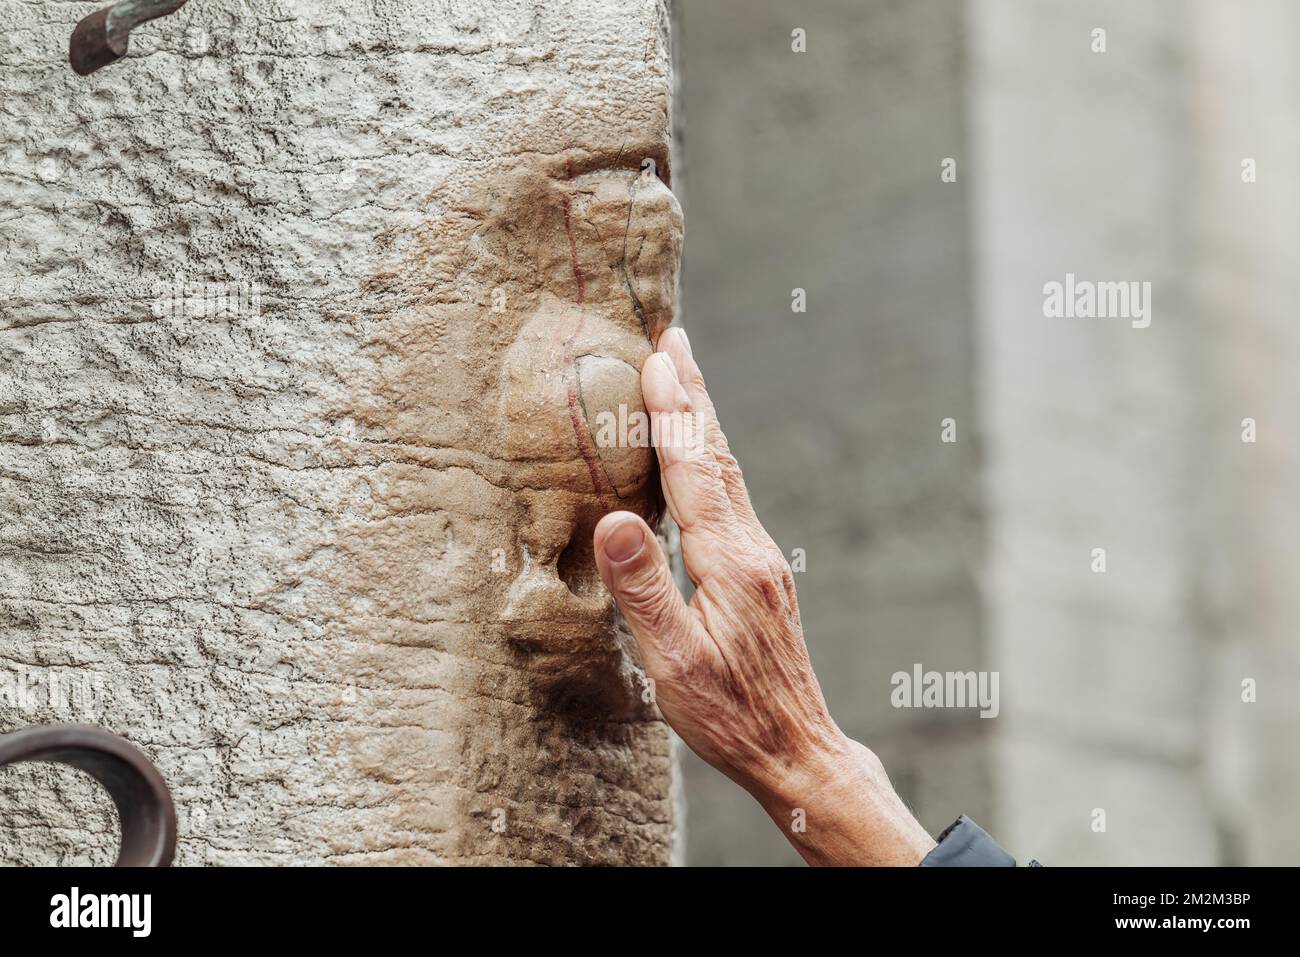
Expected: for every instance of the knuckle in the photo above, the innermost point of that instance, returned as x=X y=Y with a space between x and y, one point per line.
x=727 y=464
x=787 y=580
x=704 y=463
x=752 y=570
x=772 y=594
x=705 y=478
x=767 y=579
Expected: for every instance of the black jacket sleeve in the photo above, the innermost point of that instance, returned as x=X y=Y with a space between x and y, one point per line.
x=965 y=844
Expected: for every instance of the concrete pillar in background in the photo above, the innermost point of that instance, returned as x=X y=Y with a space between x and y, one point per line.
x=1091 y=430
x=1246 y=233
x=1122 y=736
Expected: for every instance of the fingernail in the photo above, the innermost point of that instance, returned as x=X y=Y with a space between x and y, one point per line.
x=624 y=542
x=685 y=340
x=667 y=362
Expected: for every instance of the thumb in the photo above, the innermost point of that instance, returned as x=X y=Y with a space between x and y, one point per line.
x=634 y=569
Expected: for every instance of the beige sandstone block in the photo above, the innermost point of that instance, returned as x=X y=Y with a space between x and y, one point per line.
x=315 y=531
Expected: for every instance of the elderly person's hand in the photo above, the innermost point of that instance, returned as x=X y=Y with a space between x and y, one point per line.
x=730 y=669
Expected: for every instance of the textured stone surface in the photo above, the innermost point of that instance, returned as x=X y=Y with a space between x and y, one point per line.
x=325 y=554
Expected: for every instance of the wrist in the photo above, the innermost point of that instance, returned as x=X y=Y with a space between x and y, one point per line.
x=837 y=807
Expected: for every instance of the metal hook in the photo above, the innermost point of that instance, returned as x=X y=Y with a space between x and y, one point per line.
x=102 y=37
x=144 y=805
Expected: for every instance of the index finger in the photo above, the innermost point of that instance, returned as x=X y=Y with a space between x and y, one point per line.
x=691 y=477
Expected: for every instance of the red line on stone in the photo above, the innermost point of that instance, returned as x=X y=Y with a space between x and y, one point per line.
x=573 y=251
x=570 y=361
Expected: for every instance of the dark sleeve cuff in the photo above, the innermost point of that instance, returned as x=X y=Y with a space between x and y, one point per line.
x=965 y=844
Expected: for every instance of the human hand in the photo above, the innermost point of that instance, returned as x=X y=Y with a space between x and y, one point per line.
x=730 y=669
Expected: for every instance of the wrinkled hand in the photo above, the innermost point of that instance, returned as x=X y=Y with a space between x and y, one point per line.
x=730 y=669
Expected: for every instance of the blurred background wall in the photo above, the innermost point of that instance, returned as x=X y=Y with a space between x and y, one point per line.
x=1121 y=691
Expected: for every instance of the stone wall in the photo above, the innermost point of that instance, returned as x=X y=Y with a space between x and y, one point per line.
x=300 y=526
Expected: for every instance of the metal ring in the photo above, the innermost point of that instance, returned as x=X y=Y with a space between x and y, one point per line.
x=144 y=805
